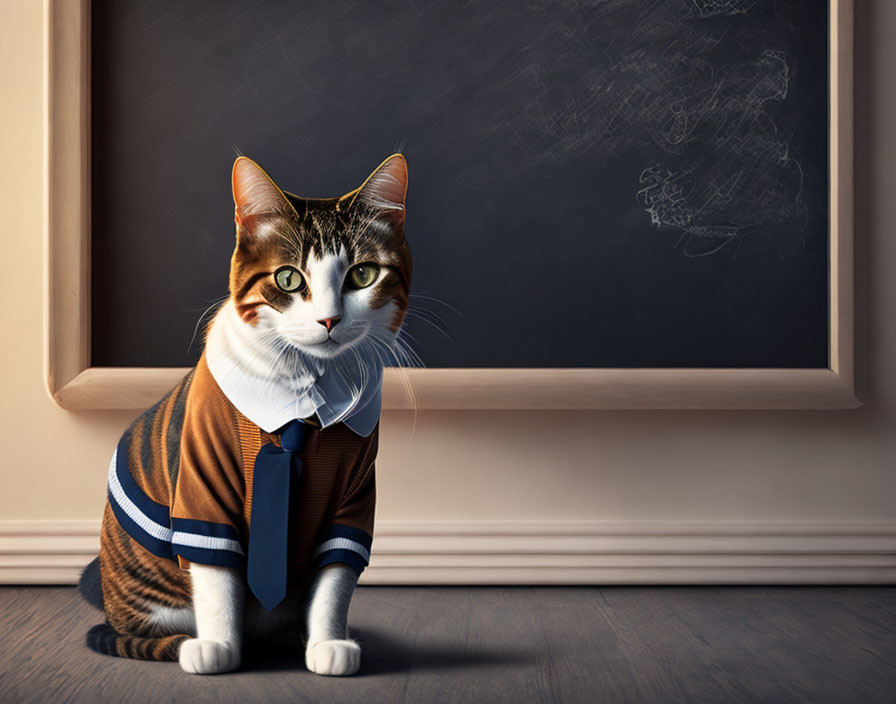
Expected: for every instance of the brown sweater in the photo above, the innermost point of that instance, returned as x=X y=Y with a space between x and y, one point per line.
x=180 y=484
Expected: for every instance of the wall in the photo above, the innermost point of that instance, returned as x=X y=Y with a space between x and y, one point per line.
x=608 y=475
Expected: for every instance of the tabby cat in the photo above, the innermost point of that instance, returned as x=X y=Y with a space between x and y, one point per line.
x=240 y=507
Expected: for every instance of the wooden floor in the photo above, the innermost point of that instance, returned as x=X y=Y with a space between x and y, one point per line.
x=618 y=644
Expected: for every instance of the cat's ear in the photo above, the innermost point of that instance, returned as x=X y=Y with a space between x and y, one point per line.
x=385 y=190
x=255 y=194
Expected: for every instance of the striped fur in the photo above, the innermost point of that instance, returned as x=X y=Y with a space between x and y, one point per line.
x=134 y=581
x=275 y=228
x=324 y=239
x=106 y=640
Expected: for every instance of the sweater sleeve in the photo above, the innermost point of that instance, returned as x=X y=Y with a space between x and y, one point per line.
x=206 y=516
x=348 y=535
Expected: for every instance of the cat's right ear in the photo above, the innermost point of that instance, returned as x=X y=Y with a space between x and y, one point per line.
x=254 y=195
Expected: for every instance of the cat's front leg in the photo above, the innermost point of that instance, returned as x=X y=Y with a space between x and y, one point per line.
x=218 y=606
x=329 y=650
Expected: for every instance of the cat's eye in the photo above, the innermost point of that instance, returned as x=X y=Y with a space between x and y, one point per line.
x=288 y=279
x=362 y=275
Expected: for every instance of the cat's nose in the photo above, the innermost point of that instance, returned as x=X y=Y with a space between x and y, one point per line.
x=329 y=323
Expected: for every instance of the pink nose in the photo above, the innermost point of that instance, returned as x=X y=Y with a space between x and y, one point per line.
x=329 y=323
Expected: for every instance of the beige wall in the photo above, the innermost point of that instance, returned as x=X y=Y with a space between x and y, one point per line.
x=545 y=465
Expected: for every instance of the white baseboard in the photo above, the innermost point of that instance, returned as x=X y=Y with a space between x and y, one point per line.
x=546 y=552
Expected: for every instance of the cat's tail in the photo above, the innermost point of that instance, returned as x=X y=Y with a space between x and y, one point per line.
x=104 y=639
x=90 y=584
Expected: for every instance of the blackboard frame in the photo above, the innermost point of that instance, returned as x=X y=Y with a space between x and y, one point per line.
x=75 y=384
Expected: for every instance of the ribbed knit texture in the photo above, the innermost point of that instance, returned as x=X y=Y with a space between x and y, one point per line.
x=194 y=453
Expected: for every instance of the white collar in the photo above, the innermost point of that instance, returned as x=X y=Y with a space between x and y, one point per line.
x=270 y=400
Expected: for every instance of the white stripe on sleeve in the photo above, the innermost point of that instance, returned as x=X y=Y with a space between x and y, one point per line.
x=341 y=544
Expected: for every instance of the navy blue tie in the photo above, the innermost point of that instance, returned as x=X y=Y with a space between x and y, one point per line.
x=269 y=523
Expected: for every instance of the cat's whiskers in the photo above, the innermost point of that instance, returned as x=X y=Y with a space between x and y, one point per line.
x=215 y=304
x=419 y=314
x=399 y=351
x=406 y=346
x=439 y=301
x=396 y=352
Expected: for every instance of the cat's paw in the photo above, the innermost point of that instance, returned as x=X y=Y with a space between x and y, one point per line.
x=333 y=657
x=208 y=657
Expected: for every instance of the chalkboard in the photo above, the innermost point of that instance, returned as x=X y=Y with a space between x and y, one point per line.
x=592 y=184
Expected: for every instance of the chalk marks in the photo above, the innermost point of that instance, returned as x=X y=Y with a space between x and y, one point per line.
x=711 y=8
x=724 y=169
x=691 y=90
x=719 y=166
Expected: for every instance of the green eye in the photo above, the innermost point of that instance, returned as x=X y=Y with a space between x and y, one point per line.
x=288 y=279
x=362 y=275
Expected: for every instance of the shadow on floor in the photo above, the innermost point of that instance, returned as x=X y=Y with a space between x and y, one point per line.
x=385 y=653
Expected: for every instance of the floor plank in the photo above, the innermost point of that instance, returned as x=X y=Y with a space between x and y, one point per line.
x=506 y=644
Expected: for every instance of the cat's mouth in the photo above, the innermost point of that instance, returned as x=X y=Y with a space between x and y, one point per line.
x=329 y=347
x=326 y=344
x=316 y=343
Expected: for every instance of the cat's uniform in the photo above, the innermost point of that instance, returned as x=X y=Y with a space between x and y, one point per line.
x=262 y=458
x=181 y=479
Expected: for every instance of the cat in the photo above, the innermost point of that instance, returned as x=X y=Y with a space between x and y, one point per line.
x=195 y=524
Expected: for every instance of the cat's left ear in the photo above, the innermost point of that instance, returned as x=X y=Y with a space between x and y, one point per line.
x=385 y=191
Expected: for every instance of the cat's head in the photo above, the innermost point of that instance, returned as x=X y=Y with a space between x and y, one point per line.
x=321 y=275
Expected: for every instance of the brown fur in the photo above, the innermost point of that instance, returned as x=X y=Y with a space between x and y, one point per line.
x=320 y=225
x=134 y=581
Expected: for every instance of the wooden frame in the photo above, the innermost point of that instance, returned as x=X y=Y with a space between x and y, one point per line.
x=74 y=384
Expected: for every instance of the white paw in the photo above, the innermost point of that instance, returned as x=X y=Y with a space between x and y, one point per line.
x=208 y=657
x=333 y=657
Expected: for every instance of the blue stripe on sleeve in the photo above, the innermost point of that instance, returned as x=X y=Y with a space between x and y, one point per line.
x=339 y=530
x=341 y=543
x=348 y=557
x=160 y=548
x=156 y=512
